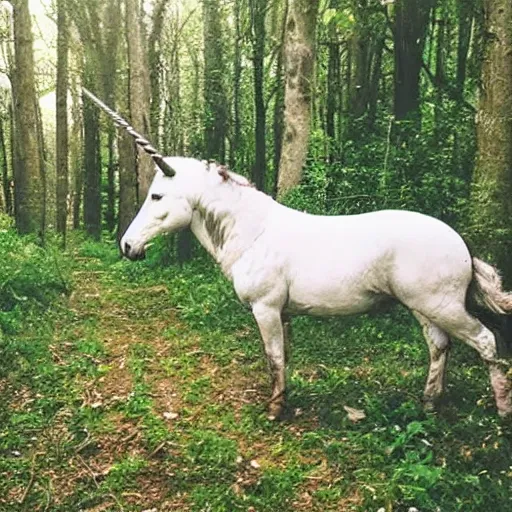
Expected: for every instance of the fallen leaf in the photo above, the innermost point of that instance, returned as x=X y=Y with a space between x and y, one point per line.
x=170 y=415
x=354 y=415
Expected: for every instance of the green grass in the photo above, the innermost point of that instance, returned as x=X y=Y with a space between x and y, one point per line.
x=147 y=389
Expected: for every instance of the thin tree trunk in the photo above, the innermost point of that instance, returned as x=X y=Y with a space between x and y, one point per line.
x=440 y=74
x=465 y=12
x=375 y=79
x=300 y=59
x=139 y=92
x=61 y=140
x=109 y=66
x=360 y=46
x=258 y=12
x=7 y=192
x=92 y=166
x=29 y=179
x=156 y=69
x=215 y=123
x=278 y=124
x=127 y=183
x=237 y=77
x=411 y=21
x=76 y=154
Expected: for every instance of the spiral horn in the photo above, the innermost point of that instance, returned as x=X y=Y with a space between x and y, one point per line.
x=139 y=139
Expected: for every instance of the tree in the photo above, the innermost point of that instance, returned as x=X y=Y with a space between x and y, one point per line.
x=299 y=73
x=156 y=67
x=139 y=91
x=278 y=114
x=108 y=64
x=6 y=182
x=492 y=185
x=216 y=111
x=29 y=175
x=62 y=118
x=92 y=160
x=258 y=9
x=411 y=21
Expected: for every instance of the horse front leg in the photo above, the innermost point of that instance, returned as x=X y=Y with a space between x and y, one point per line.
x=271 y=328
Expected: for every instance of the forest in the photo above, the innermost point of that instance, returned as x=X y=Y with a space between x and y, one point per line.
x=141 y=386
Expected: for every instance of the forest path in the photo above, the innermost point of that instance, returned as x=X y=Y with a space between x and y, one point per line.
x=158 y=416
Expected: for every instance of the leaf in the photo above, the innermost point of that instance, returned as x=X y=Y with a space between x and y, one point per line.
x=354 y=415
x=328 y=16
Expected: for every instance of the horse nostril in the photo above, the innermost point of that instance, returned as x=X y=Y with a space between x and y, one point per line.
x=127 y=248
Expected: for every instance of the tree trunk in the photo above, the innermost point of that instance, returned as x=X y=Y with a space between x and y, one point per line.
x=139 y=92
x=127 y=183
x=360 y=52
x=109 y=65
x=6 y=187
x=215 y=101
x=156 y=69
x=333 y=64
x=76 y=143
x=300 y=59
x=411 y=21
x=375 y=79
x=492 y=185
x=92 y=166
x=258 y=11
x=440 y=73
x=237 y=77
x=465 y=12
x=61 y=141
x=278 y=123
x=29 y=179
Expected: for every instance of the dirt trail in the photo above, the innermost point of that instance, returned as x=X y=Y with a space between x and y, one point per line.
x=119 y=319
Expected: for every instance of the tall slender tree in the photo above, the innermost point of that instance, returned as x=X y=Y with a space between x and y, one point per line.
x=61 y=140
x=300 y=59
x=139 y=90
x=215 y=98
x=29 y=177
x=258 y=10
x=108 y=64
x=278 y=117
x=410 y=27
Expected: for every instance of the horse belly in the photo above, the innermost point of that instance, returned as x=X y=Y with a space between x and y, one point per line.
x=330 y=298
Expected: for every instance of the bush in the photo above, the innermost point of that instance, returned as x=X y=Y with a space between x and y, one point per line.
x=30 y=276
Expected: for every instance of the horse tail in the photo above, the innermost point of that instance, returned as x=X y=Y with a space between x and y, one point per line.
x=488 y=290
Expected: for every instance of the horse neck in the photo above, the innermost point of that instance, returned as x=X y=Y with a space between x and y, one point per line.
x=228 y=217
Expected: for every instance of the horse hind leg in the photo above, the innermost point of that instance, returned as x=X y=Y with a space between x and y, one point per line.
x=460 y=324
x=438 y=343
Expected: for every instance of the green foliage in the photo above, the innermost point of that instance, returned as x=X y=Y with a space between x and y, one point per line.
x=30 y=277
x=374 y=173
x=122 y=474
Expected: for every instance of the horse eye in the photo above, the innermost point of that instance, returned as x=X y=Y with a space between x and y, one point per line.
x=156 y=197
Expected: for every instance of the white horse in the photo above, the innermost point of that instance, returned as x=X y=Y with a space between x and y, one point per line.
x=284 y=261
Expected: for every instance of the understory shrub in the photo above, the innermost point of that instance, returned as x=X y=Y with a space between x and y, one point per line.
x=31 y=277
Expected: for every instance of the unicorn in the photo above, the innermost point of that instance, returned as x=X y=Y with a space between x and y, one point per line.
x=284 y=262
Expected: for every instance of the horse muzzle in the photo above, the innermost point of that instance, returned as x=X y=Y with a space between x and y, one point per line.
x=132 y=253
